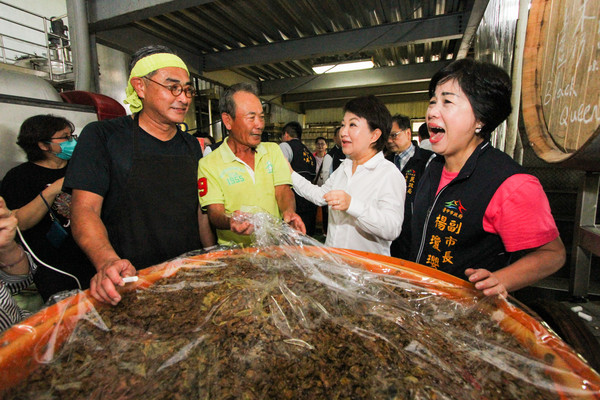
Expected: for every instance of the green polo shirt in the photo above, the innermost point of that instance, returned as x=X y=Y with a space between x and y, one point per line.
x=225 y=179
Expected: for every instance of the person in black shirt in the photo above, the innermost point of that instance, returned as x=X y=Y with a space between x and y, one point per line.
x=134 y=180
x=304 y=163
x=34 y=191
x=411 y=161
x=336 y=153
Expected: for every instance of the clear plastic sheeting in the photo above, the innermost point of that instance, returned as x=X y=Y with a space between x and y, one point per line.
x=290 y=319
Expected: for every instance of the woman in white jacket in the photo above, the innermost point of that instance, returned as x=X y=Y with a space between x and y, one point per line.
x=366 y=193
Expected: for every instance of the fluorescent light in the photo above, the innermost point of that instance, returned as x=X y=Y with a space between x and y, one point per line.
x=341 y=67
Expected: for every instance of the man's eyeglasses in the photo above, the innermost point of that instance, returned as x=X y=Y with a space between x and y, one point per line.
x=393 y=135
x=69 y=138
x=176 y=88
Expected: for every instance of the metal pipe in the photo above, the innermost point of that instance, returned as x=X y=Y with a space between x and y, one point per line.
x=512 y=127
x=20 y=24
x=16 y=39
x=210 y=124
x=21 y=9
x=80 y=44
x=2 y=47
x=20 y=51
x=50 y=73
x=518 y=157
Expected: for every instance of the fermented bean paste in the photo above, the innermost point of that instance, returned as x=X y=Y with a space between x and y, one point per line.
x=279 y=326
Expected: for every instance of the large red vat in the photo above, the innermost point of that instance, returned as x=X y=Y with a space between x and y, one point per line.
x=33 y=341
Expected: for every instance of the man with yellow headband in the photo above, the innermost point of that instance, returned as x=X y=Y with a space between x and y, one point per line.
x=135 y=199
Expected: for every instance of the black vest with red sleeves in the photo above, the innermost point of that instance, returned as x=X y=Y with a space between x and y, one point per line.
x=412 y=171
x=447 y=228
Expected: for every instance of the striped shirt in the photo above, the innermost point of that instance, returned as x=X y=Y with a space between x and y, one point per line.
x=10 y=312
x=401 y=159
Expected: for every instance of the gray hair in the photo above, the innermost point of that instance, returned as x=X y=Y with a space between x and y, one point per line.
x=226 y=103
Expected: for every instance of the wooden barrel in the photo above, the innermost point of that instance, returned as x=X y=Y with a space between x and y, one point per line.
x=561 y=82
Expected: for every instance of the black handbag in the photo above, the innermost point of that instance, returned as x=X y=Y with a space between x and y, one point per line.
x=56 y=234
x=314 y=182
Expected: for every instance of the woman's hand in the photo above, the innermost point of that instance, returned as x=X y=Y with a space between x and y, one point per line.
x=12 y=256
x=8 y=226
x=338 y=200
x=486 y=281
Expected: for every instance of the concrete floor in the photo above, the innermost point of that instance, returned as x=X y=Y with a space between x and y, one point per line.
x=552 y=293
x=591 y=306
x=592 y=309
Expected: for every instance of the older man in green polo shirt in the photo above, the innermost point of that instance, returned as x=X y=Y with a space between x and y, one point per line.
x=244 y=174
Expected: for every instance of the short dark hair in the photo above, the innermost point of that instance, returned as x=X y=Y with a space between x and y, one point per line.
x=226 y=103
x=402 y=120
x=148 y=51
x=376 y=114
x=487 y=87
x=293 y=128
x=423 y=131
x=320 y=138
x=40 y=128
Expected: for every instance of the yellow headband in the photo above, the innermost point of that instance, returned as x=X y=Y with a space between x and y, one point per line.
x=142 y=68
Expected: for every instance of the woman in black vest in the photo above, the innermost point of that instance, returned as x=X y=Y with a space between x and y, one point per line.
x=475 y=207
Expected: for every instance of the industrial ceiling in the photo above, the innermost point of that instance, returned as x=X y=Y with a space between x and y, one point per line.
x=276 y=42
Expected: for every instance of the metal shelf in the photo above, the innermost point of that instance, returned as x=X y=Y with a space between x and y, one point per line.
x=586 y=235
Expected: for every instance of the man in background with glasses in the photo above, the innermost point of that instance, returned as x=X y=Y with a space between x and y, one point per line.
x=411 y=160
x=135 y=196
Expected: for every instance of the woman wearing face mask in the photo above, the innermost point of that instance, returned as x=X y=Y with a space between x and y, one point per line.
x=476 y=210
x=34 y=191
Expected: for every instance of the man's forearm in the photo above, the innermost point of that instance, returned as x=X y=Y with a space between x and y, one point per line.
x=88 y=229
x=285 y=199
x=207 y=237
x=90 y=234
x=217 y=217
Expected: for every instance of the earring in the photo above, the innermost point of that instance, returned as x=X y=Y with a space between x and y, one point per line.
x=478 y=129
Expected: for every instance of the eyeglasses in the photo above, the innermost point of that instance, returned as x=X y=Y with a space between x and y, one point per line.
x=393 y=135
x=69 y=138
x=176 y=88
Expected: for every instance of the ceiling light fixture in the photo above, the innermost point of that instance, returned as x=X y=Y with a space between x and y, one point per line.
x=341 y=67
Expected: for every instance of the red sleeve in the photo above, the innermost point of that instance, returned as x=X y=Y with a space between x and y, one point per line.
x=520 y=214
